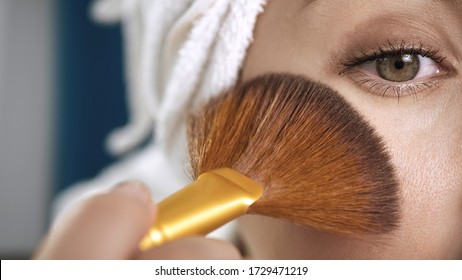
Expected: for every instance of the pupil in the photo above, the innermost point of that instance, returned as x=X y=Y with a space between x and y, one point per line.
x=399 y=64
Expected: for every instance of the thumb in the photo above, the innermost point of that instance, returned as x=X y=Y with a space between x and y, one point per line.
x=107 y=226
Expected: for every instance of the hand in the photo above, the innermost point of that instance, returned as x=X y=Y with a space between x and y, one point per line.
x=110 y=226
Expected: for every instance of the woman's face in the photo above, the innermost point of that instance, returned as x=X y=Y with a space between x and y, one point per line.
x=398 y=63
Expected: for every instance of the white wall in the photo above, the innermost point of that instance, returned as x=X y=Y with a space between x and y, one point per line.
x=26 y=102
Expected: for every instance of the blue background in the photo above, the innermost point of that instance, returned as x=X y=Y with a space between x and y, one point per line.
x=90 y=92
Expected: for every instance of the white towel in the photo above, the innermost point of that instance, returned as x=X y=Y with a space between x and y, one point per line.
x=178 y=54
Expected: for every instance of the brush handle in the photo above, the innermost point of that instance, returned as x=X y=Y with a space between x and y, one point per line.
x=214 y=199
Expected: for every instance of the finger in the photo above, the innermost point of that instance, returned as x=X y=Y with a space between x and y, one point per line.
x=107 y=226
x=193 y=248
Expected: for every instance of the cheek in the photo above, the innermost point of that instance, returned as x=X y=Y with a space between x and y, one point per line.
x=430 y=174
x=424 y=138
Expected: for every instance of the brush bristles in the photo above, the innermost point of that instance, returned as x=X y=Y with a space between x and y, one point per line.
x=320 y=163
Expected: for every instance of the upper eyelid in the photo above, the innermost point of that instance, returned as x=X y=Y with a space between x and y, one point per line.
x=392 y=49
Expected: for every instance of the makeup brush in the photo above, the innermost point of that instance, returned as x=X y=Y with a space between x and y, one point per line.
x=284 y=147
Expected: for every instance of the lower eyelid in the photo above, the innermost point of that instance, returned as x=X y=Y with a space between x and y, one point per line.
x=380 y=87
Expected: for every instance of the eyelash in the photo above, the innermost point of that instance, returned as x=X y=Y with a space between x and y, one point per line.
x=382 y=87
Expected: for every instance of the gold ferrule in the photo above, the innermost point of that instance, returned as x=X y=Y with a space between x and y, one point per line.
x=214 y=199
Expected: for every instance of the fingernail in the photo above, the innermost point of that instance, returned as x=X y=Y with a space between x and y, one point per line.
x=135 y=189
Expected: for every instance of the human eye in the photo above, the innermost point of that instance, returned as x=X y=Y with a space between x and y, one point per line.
x=396 y=70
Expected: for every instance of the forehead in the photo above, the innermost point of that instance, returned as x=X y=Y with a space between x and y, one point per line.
x=343 y=18
x=426 y=7
x=453 y=3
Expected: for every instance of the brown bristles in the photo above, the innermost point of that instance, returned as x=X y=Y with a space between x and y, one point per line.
x=320 y=162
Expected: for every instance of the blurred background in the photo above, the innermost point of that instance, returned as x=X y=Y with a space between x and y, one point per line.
x=61 y=93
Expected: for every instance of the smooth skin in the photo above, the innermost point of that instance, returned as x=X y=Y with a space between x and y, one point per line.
x=422 y=128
